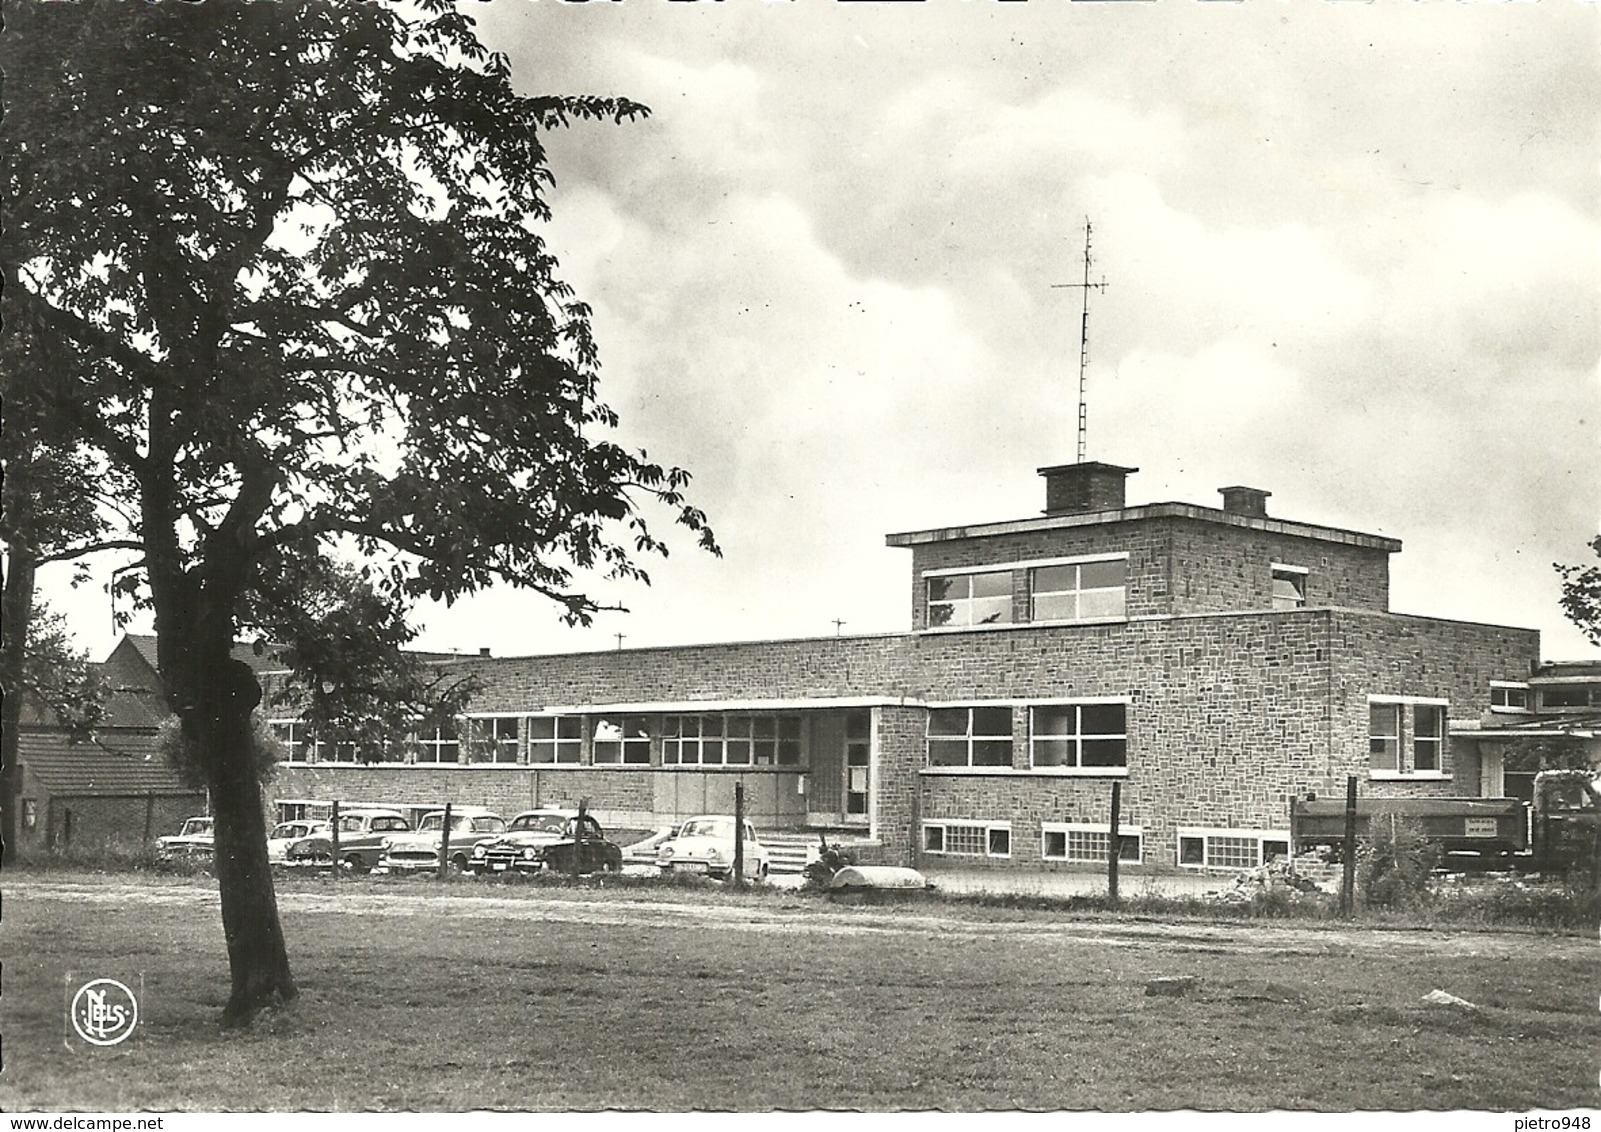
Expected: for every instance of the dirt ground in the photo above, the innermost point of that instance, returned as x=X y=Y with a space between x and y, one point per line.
x=423 y=996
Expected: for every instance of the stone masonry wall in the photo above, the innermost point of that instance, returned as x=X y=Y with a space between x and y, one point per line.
x=1176 y=565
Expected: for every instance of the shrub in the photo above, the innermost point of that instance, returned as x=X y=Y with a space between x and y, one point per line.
x=1394 y=862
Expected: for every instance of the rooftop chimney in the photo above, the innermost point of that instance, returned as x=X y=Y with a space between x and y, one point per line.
x=1090 y=486
x=1245 y=501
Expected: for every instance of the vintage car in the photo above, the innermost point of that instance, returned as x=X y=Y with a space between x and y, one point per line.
x=418 y=851
x=547 y=839
x=706 y=845
x=362 y=833
x=288 y=836
x=645 y=852
x=194 y=840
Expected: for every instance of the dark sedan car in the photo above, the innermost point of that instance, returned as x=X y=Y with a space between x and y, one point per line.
x=547 y=839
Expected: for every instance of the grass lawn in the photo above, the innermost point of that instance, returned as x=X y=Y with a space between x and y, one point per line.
x=421 y=996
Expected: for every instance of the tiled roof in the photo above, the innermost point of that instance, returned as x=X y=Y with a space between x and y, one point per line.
x=265 y=661
x=113 y=764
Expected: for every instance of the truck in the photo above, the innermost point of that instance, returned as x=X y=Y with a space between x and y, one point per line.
x=1557 y=831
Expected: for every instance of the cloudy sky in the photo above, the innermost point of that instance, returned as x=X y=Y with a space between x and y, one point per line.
x=1352 y=253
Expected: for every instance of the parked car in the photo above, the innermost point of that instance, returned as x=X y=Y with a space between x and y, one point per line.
x=646 y=851
x=286 y=837
x=194 y=840
x=539 y=839
x=362 y=833
x=418 y=851
x=706 y=845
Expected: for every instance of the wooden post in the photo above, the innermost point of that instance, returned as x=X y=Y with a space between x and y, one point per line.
x=578 y=836
x=444 y=845
x=333 y=821
x=1114 y=845
x=739 y=835
x=1348 y=850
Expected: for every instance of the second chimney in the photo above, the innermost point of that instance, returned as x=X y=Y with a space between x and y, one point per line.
x=1090 y=486
x=1245 y=501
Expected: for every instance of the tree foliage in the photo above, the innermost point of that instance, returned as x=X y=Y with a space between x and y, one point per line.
x=1581 y=595
x=279 y=269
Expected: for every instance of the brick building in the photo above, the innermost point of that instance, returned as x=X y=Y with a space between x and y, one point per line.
x=112 y=788
x=1216 y=661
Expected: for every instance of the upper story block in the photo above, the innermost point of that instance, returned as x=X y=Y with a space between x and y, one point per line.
x=1091 y=558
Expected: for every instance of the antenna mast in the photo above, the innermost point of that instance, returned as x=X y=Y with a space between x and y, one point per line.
x=1084 y=339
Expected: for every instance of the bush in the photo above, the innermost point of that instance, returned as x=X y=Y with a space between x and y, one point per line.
x=1394 y=862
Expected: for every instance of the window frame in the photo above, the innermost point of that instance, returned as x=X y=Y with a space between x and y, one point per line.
x=557 y=744
x=436 y=744
x=986 y=832
x=1206 y=834
x=1126 y=834
x=970 y=738
x=1077 y=591
x=1078 y=737
x=967 y=604
x=1410 y=746
x=1297 y=576
x=1507 y=688
x=629 y=746
x=776 y=739
x=496 y=744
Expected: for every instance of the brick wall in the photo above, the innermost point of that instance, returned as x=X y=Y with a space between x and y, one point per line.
x=100 y=822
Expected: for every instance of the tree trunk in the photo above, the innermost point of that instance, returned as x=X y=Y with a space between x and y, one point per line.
x=16 y=611
x=218 y=718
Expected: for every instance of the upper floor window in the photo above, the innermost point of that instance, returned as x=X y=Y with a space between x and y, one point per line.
x=956 y=600
x=970 y=736
x=493 y=740
x=1509 y=697
x=732 y=740
x=555 y=739
x=622 y=739
x=1574 y=697
x=1079 y=591
x=1289 y=586
x=292 y=734
x=1078 y=735
x=1406 y=736
x=437 y=745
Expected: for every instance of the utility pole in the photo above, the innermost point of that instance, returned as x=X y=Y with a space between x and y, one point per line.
x=1083 y=338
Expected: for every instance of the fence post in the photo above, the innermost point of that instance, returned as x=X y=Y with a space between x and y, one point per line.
x=739 y=835
x=333 y=824
x=578 y=836
x=1348 y=850
x=1114 y=846
x=444 y=846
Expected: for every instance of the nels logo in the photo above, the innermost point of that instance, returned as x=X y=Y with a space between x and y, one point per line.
x=104 y=1012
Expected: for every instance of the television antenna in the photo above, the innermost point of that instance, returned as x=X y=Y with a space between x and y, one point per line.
x=1083 y=337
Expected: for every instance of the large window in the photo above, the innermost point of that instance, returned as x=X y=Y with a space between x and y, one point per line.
x=1289 y=586
x=1384 y=736
x=1406 y=735
x=968 y=838
x=623 y=739
x=493 y=740
x=970 y=736
x=1086 y=844
x=731 y=740
x=1509 y=697
x=438 y=745
x=1230 y=848
x=1079 y=591
x=956 y=600
x=1078 y=735
x=1572 y=697
x=293 y=735
x=555 y=739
